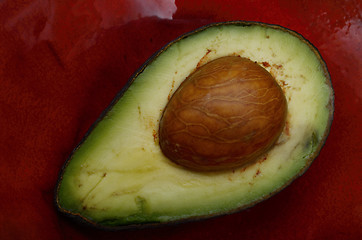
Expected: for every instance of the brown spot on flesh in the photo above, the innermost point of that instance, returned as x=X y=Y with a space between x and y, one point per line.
x=266 y=64
x=139 y=110
x=203 y=60
x=171 y=90
x=263 y=159
x=278 y=66
x=155 y=135
x=257 y=172
x=287 y=126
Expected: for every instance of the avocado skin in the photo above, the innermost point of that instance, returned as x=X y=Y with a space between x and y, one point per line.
x=77 y=218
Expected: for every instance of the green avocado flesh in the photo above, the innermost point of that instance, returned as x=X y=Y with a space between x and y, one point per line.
x=118 y=175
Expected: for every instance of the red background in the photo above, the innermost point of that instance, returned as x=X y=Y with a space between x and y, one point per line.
x=62 y=62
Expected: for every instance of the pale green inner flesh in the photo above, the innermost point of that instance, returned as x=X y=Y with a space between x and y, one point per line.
x=119 y=175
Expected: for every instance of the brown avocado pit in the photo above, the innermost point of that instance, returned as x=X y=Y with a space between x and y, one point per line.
x=227 y=113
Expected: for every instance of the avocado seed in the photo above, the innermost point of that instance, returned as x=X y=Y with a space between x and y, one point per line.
x=226 y=114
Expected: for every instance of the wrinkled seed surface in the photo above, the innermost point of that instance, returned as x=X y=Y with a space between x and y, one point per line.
x=227 y=113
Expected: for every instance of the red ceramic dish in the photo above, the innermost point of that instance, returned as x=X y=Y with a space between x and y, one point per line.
x=62 y=62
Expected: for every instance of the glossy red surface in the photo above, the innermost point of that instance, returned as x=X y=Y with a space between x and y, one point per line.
x=62 y=62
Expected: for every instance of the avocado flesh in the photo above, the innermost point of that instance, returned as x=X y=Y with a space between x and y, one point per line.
x=118 y=175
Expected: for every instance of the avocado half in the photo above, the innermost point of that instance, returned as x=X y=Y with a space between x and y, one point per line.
x=117 y=177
